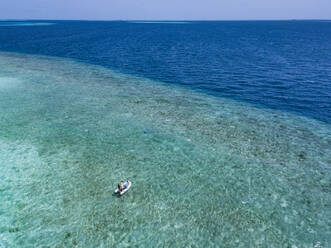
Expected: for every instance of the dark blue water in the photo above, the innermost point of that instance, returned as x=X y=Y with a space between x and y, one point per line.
x=283 y=65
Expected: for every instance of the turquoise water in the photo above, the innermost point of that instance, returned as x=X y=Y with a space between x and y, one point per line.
x=206 y=171
x=11 y=23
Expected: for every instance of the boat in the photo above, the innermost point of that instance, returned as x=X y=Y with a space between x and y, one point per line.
x=128 y=183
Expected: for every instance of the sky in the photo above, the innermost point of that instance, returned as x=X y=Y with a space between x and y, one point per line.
x=165 y=9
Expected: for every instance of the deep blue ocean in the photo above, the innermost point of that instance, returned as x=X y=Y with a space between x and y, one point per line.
x=283 y=65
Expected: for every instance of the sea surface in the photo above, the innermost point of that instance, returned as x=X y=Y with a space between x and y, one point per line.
x=224 y=129
x=284 y=65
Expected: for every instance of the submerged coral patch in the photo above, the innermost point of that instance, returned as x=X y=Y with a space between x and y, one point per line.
x=206 y=171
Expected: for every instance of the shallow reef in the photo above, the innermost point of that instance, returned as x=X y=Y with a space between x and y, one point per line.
x=206 y=171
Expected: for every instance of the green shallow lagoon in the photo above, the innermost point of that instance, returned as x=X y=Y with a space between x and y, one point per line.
x=206 y=171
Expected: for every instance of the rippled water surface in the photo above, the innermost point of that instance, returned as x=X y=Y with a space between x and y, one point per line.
x=282 y=65
x=222 y=127
x=206 y=171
